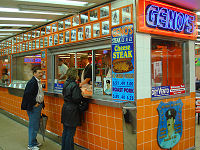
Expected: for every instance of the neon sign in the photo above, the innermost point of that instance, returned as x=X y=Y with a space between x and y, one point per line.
x=170 y=20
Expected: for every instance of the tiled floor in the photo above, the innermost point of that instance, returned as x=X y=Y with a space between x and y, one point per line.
x=14 y=136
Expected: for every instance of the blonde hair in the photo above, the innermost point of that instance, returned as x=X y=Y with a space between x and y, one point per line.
x=72 y=73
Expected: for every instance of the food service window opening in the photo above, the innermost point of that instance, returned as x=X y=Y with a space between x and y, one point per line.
x=169 y=67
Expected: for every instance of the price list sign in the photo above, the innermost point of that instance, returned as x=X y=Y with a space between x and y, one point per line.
x=123 y=63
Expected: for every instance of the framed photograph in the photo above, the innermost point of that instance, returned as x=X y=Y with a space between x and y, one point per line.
x=50 y=40
x=20 y=47
x=94 y=15
x=43 y=54
x=105 y=27
x=45 y=41
x=96 y=30
x=29 y=36
x=75 y=20
x=37 y=32
x=42 y=31
x=73 y=35
x=80 y=33
x=20 y=38
x=126 y=14
x=66 y=36
x=23 y=46
x=54 y=27
x=33 y=45
x=33 y=34
x=43 y=64
x=27 y=47
x=55 y=39
x=48 y=29
x=68 y=23
x=44 y=74
x=84 y=18
x=37 y=43
x=87 y=32
x=115 y=17
x=61 y=38
x=60 y=25
x=30 y=45
x=41 y=42
x=25 y=36
x=15 y=49
x=104 y=11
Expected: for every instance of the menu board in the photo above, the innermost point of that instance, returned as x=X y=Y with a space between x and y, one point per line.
x=123 y=63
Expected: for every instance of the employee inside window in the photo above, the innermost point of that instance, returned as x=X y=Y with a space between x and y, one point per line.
x=62 y=69
x=86 y=75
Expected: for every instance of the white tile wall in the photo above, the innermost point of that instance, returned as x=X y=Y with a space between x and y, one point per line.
x=143 y=66
x=192 y=65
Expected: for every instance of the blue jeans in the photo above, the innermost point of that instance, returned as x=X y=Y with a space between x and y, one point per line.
x=34 y=122
x=68 y=137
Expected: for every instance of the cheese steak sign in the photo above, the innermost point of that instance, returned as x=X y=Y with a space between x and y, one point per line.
x=163 y=19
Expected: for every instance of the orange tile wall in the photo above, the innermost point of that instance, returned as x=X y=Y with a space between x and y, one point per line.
x=147 y=123
x=102 y=129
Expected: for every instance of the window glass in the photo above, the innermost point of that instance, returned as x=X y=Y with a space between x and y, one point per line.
x=37 y=32
x=167 y=67
x=42 y=31
x=60 y=38
x=54 y=27
x=103 y=72
x=37 y=43
x=94 y=15
x=41 y=42
x=75 y=20
x=105 y=28
x=60 y=25
x=126 y=14
x=67 y=23
x=87 y=32
x=66 y=36
x=56 y=39
x=73 y=35
x=46 y=41
x=80 y=33
x=48 y=29
x=115 y=17
x=50 y=40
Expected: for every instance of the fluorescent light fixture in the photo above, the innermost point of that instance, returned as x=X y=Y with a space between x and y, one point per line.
x=16 y=10
x=16 y=25
x=61 y=2
x=24 y=19
x=197 y=43
x=11 y=30
x=6 y=34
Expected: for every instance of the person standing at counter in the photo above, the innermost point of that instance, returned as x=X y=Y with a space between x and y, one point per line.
x=62 y=70
x=86 y=75
x=70 y=117
x=33 y=102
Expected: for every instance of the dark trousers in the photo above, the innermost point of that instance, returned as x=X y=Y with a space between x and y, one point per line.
x=68 y=137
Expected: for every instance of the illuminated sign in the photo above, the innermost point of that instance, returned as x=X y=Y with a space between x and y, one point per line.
x=166 y=19
x=155 y=17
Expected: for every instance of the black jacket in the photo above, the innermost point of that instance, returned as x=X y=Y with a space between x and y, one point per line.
x=30 y=93
x=71 y=115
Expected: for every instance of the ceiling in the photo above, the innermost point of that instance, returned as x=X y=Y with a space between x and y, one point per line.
x=20 y=8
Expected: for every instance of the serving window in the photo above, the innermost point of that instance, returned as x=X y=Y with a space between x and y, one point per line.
x=168 y=61
x=101 y=68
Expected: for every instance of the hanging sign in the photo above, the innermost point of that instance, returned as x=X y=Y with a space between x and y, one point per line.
x=170 y=123
x=123 y=63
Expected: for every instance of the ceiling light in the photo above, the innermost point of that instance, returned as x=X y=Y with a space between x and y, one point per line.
x=29 y=12
x=6 y=33
x=197 y=43
x=61 y=2
x=24 y=19
x=11 y=30
x=16 y=25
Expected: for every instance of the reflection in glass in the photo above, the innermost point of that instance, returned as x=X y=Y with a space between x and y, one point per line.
x=94 y=15
x=80 y=33
x=75 y=20
x=115 y=17
x=87 y=32
x=84 y=18
x=105 y=28
x=66 y=36
x=126 y=14
x=104 y=11
x=73 y=35
x=96 y=30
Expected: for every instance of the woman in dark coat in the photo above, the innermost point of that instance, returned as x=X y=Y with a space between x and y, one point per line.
x=70 y=112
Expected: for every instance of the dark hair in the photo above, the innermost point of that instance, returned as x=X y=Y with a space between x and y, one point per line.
x=107 y=81
x=170 y=113
x=60 y=59
x=72 y=73
x=34 y=69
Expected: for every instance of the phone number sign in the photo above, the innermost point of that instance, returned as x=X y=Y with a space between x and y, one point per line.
x=123 y=63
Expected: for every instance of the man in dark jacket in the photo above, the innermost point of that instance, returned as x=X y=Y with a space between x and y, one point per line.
x=33 y=102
